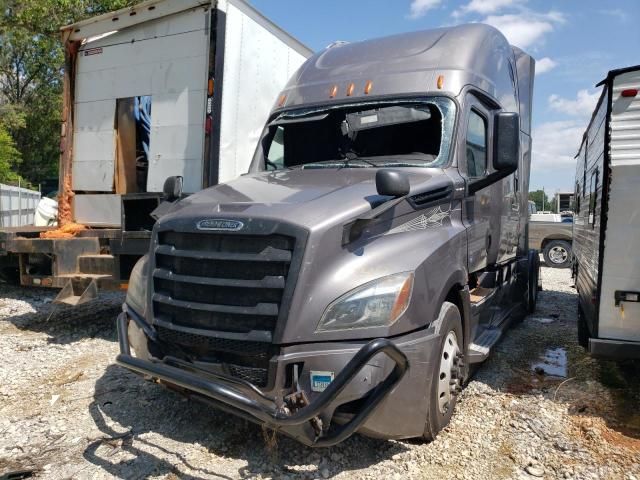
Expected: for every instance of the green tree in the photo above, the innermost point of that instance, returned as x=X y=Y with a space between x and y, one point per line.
x=537 y=196
x=31 y=62
x=9 y=157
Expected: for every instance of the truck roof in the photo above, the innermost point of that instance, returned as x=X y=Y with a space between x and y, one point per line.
x=472 y=54
x=153 y=9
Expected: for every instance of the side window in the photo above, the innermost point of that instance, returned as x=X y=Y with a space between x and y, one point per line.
x=275 y=156
x=476 y=147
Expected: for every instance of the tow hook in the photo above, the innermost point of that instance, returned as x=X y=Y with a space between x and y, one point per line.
x=298 y=400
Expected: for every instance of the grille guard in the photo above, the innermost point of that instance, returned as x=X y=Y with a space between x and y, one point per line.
x=240 y=403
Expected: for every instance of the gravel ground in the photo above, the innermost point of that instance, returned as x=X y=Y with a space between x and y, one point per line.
x=539 y=407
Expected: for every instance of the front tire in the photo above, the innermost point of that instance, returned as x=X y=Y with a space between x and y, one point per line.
x=557 y=254
x=448 y=372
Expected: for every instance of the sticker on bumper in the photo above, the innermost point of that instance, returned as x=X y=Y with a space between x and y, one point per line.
x=320 y=380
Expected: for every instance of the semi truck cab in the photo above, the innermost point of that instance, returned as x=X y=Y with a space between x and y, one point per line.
x=376 y=247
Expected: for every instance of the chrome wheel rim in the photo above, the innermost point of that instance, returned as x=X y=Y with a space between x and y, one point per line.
x=449 y=375
x=558 y=255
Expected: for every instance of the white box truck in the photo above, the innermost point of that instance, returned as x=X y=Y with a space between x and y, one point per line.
x=164 y=88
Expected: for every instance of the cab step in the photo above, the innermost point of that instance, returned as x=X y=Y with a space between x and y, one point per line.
x=481 y=346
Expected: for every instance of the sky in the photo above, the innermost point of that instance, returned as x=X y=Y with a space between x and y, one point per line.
x=575 y=43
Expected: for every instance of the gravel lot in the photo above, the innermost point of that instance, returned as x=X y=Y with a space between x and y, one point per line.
x=539 y=407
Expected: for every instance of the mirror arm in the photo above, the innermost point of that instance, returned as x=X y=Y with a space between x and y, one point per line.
x=352 y=231
x=490 y=179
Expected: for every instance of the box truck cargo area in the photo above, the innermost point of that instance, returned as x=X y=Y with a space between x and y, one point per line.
x=160 y=89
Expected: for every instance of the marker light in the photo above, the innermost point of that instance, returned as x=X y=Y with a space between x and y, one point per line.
x=350 y=89
x=333 y=92
x=282 y=100
x=440 y=81
x=368 y=87
x=210 y=87
x=629 y=92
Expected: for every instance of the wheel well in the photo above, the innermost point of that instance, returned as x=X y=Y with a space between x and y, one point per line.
x=455 y=296
x=551 y=239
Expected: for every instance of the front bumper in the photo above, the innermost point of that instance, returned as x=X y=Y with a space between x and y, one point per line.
x=614 y=349
x=250 y=402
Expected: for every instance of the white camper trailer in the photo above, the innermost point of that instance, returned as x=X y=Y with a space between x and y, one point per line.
x=606 y=229
x=167 y=87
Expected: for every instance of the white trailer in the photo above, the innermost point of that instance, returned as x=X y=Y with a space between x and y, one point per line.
x=167 y=87
x=606 y=231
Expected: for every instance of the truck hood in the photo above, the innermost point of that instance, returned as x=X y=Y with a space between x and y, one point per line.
x=307 y=197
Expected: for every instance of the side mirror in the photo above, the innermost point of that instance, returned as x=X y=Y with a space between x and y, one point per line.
x=506 y=155
x=392 y=183
x=172 y=188
x=507 y=141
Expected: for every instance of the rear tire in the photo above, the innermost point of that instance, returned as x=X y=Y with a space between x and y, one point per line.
x=533 y=280
x=557 y=254
x=449 y=372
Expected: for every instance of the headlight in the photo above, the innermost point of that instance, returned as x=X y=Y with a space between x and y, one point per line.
x=137 y=290
x=375 y=304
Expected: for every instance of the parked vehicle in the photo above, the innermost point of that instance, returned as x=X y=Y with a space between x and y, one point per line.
x=553 y=239
x=548 y=235
x=162 y=88
x=606 y=227
x=377 y=247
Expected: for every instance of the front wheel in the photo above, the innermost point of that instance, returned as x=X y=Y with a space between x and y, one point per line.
x=557 y=254
x=448 y=372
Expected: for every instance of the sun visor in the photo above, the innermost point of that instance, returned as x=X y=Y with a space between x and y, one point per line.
x=386 y=116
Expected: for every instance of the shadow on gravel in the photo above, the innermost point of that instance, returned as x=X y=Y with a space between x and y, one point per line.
x=62 y=323
x=145 y=421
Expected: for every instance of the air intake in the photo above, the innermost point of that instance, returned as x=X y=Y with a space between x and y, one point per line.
x=432 y=197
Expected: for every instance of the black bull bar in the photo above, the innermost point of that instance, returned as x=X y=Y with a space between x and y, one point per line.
x=240 y=403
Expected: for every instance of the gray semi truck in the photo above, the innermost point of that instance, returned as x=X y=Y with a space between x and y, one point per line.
x=375 y=249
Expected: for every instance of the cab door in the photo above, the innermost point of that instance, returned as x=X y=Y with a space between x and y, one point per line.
x=474 y=151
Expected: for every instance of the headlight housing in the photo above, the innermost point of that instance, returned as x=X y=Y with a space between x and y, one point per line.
x=137 y=290
x=375 y=304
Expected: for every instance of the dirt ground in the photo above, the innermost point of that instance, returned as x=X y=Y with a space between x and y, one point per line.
x=538 y=408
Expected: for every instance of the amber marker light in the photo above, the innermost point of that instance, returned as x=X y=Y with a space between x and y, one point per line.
x=440 y=82
x=282 y=100
x=210 y=87
x=333 y=92
x=350 y=89
x=368 y=87
x=402 y=300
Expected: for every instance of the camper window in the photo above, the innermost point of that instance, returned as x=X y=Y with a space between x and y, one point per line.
x=593 y=197
x=476 y=149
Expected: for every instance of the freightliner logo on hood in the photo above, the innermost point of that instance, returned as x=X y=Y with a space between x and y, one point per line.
x=220 y=224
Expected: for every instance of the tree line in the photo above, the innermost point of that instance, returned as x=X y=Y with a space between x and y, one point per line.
x=31 y=62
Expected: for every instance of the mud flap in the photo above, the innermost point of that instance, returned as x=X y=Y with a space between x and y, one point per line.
x=77 y=291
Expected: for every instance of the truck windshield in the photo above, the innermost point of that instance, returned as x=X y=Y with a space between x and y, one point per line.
x=406 y=133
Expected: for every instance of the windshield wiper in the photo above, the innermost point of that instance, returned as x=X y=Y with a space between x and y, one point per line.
x=351 y=155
